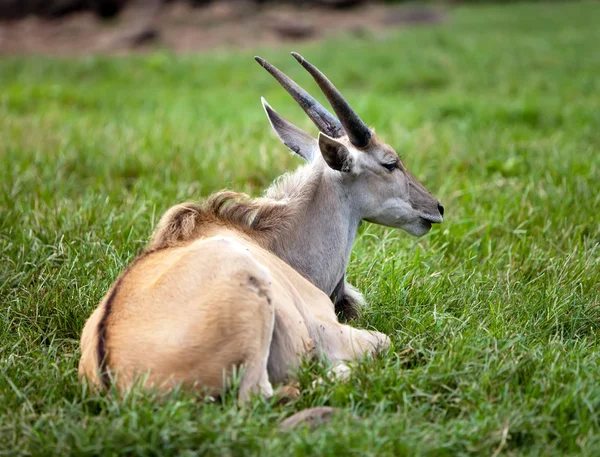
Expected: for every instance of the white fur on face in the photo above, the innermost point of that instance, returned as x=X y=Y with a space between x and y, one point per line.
x=384 y=197
x=398 y=213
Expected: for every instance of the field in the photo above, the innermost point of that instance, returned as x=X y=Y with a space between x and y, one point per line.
x=494 y=315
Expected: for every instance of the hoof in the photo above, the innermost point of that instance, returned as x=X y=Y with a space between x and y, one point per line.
x=286 y=394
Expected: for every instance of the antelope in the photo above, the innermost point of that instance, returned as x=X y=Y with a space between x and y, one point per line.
x=351 y=176
x=240 y=283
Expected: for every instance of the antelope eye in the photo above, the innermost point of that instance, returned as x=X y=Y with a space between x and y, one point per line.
x=390 y=166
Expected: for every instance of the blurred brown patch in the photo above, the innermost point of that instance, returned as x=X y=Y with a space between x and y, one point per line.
x=183 y=28
x=311 y=418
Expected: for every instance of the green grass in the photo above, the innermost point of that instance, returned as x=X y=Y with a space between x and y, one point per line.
x=495 y=315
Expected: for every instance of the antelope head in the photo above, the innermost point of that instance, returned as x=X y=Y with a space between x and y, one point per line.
x=375 y=181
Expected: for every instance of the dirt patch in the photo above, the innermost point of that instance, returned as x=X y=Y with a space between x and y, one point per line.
x=181 y=28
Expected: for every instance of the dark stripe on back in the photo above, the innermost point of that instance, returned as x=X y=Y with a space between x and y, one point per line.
x=102 y=326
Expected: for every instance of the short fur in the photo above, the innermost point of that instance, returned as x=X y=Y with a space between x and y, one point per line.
x=240 y=282
x=363 y=179
x=191 y=311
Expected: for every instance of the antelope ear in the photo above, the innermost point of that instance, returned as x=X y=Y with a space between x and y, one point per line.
x=293 y=137
x=335 y=153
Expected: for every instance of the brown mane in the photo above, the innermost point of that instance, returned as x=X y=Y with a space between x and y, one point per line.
x=264 y=219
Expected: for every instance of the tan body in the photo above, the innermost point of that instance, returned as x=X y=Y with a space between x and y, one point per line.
x=191 y=313
x=239 y=282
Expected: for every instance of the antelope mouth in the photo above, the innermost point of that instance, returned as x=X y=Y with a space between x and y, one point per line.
x=426 y=224
x=428 y=219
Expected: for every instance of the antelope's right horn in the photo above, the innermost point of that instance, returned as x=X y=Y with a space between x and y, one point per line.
x=358 y=132
x=323 y=119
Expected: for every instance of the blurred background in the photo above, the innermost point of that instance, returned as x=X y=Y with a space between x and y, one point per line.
x=71 y=27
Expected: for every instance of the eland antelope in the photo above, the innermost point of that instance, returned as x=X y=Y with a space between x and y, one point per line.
x=247 y=283
x=351 y=176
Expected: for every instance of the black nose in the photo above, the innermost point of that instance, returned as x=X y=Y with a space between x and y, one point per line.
x=441 y=209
